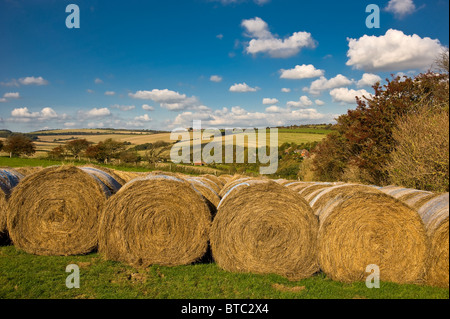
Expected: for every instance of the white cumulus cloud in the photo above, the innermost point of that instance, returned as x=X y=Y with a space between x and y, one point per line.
x=368 y=79
x=301 y=72
x=269 y=101
x=31 y=80
x=401 y=8
x=323 y=84
x=394 y=51
x=243 y=88
x=263 y=41
x=303 y=102
x=348 y=96
x=216 y=78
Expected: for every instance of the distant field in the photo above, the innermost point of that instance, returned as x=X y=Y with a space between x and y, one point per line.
x=46 y=143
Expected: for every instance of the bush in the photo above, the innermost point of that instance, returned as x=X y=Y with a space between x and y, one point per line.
x=421 y=158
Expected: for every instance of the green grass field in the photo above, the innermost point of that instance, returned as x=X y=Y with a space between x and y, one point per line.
x=24 y=276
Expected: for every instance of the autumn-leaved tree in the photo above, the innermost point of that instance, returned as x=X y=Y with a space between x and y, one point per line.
x=106 y=150
x=364 y=138
x=76 y=147
x=18 y=145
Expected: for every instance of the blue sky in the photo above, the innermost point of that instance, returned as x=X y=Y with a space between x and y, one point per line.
x=230 y=63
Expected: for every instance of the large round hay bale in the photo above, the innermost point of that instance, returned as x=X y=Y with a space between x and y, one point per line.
x=210 y=195
x=263 y=227
x=435 y=214
x=312 y=189
x=233 y=182
x=361 y=226
x=225 y=178
x=214 y=179
x=8 y=180
x=156 y=219
x=56 y=211
x=100 y=171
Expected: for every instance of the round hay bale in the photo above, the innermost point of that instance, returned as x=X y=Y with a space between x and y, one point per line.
x=361 y=226
x=8 y=180
x=231 y=184
x=435 y=214
x=128 y=176
x=211 y=197
x=210 y=183
x=263 y=227
x=225 y=178
x=214 y=179
x=56 y=211
x=99 y=172
x=410 y=197
x=155 y=219
x=311 y=189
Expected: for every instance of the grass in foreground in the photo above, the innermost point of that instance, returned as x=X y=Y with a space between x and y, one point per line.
x=24 y=276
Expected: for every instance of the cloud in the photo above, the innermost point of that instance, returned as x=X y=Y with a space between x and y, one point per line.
x=11 y=95
x=263 y=41
x=219 y=36
x=368 y=79
x=285 y=90
x=268 y=101
x=159 y=96
x=143 y=118
x=273 y=109
x=243 y=88
x=147 y=107
x=401 y=8
x=324 y=84
x=98 y=81
x=94 y=113
x=170 y=100
x=303 y=102
x=110 y=93
x=31 y=80
x=24 y=115
x=348 y=96
x=301 y=72
x=394 y=51
x=124 y=108
x=240 y=117
x=3 y=100
x=90 y=91
x=13 y=82
x=216 y=78
x=319 y=102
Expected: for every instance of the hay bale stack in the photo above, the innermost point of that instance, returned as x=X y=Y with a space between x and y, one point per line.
x=435 y=214
x=263 y=227
x=155 y=219
x=8 y=180
x=360 y=226
x=56 y=211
